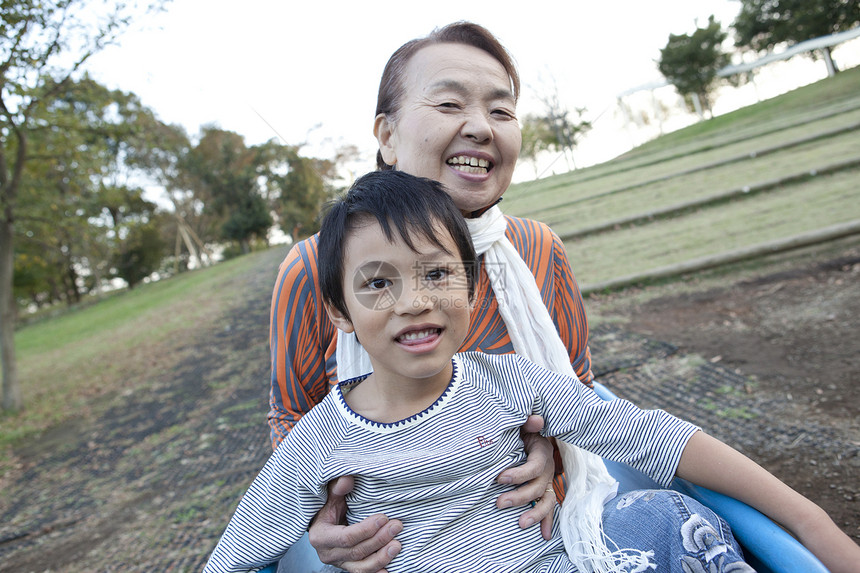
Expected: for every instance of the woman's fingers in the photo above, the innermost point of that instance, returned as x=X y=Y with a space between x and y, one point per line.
x=539 y=462
x=543 y=512
x=534 y=478
x=364 y=547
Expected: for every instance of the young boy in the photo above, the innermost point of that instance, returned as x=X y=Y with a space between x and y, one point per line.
x=427 y=432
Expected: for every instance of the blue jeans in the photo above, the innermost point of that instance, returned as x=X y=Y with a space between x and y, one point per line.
x=302 y=558
x=681 y=533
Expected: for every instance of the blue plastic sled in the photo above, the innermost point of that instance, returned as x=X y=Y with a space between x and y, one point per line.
x=767 y=547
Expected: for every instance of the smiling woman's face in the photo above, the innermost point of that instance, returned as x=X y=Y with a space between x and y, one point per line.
x=456 y=124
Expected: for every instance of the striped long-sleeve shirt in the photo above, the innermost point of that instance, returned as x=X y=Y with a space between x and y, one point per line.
x=302 y=340
x=436 y=470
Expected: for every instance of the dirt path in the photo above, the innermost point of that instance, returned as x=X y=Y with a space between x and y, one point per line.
x=768 y=364
x=784 y=354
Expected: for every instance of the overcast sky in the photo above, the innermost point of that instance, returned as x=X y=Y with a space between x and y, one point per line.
x=309 y=71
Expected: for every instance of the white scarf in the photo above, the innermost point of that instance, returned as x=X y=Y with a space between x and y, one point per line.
x=534 y=336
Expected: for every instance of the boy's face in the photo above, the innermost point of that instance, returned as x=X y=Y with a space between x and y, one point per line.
x=410 y=310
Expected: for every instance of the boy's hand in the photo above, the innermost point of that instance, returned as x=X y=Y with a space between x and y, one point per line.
x=535 y=479
x=364 y=547
x=838 y=552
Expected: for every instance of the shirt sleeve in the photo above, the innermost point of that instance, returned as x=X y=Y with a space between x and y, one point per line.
x=568 y=313
x=299 y=337
x=651 y=441
x=275 y=511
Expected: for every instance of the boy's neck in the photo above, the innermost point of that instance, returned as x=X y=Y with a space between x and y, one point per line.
x=387 y=399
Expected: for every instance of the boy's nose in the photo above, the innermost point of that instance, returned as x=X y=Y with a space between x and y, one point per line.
x=416 y=301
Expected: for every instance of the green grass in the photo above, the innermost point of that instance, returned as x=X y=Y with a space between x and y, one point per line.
x=804 y=101
x=665 y=193
x=674 y=179
x=534 y=199
x=822 y=106
x=701 y=162
x=69 y=363
x=823 y=201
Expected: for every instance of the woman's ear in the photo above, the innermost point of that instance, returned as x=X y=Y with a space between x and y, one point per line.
x=338 y=318
x=383 y=130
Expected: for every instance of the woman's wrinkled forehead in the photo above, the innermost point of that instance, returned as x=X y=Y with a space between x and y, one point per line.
x=438 y=67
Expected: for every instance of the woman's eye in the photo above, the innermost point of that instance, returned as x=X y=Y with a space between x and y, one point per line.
x=503 y=113
x=449 y=105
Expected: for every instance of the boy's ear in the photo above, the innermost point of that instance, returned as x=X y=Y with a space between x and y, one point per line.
x=338 y=319
x=383 y=129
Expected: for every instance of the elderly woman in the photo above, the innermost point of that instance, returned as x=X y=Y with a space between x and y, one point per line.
x=446 y=110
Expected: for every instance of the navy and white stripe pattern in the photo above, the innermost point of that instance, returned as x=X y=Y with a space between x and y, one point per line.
x=436 y=472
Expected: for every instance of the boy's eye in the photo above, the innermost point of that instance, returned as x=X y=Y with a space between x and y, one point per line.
x=377 y=284
x=437 y=274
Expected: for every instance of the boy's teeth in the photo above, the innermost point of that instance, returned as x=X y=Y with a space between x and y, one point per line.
x=419 y=334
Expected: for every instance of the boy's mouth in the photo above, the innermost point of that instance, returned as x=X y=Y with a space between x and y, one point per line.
x=418 y=336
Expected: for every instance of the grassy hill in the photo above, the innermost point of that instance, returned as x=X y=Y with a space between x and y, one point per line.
x=762 y=174
x=73 y=365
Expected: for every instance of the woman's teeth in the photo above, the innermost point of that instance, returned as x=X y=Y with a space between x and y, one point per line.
x=469 y=164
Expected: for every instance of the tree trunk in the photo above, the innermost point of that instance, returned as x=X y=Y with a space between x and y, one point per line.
x=11 y=389
x=73 y=293
x=697 y=103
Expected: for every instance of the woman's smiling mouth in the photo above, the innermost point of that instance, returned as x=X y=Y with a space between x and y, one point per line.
x=468 y=164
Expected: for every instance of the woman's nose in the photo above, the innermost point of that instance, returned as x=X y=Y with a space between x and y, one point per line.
x=476 y=127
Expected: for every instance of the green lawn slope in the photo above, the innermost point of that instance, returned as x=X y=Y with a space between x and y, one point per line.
x=764 y=175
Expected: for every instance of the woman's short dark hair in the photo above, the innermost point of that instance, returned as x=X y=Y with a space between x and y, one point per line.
x=391 y=85
x=396 y=200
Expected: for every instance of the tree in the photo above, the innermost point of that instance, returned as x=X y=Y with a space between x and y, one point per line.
x=161 y=152
x=537 y=137
x=691 y=62
x=140 y=253
x=762 y=24
x=224 y=177
x=556 y=129
x=75 y=190
x=303 y=192
x=42 y=48
x=133 y=233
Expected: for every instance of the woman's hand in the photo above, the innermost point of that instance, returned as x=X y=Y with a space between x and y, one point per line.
x=364 y=547
x=535 y=479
